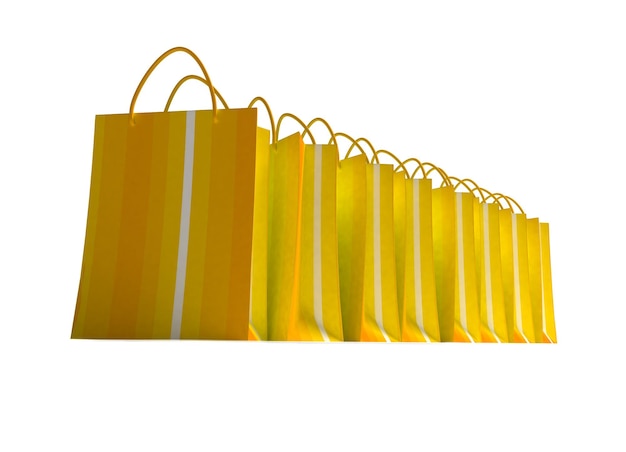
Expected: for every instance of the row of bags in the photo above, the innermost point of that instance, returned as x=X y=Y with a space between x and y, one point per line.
x=202 y=225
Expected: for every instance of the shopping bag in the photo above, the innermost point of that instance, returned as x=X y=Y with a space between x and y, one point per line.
x=444 y=253
x=493 y=310
x=515 y=275
x=169 y=228
x=466 y=310
x=257 y=329
x=381 y=320
x=548 y=323
x=493 y=325
x=540 y=280
x=420 y=321
x=351 y=212
x=313 y=309
x=284 y=204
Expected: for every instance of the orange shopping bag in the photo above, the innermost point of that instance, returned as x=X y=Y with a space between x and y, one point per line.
x=169 y=228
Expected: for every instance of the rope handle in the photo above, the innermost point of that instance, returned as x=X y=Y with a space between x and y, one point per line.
x=269 y=112
x=419 y=167
x=507 y=199
x=354 y=143
x=442 y=173
x=292 y=116
x=192 y=77
x=401 y=165
x=465 y=183
x=332 y=140
x=151 y=69
x=366 y=141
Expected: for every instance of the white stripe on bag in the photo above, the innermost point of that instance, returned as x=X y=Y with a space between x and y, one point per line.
x=488 y=293
x=417 y=261
x=461 y=265
x=183 y=239
x=317 y=242
x=378 y=287
x=516 y=283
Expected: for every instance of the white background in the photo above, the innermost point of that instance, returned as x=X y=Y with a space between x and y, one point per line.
x=528 y=98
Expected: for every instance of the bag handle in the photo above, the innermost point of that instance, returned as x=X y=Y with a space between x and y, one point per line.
x=366 y=141
x=354 y=143
x=510 y=201
x=292 y=116
x=401 y=165
x=465 y=183
x=269 y=112
x=332 y=140
x=153 y=67
x=192 y=77
x=442 y=173
x=419 y=167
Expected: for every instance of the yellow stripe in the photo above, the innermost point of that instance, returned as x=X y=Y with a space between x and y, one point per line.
x=534 y=277
x=506 y=255
x=497 y=291
x=351 y=209
x=548 y=302
x=444 y=244
x=100 y=295
x=391 y=320
x=258 y=292
x=284 y=176
x=82 y=301
x=520 y=259
x=428 y=284
x=400 y=234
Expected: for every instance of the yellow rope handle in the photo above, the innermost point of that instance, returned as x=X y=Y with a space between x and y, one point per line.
x=366 y=141
x=292 y=116
x=441 y=172
x=401 y=165
x=269 y=112
x=354 y=143
x=508 y=200
x=497 y=197
x=323 y=121
x=465 y=182
x=153 y=67
x=185 y=79
x=419 y=167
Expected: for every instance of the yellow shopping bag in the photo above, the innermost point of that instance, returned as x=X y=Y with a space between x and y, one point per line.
x=515 y=276
x=258 y=292
x=169 y=229
x=381 y=321
x=540 y=281
x=351 y=212
x=493 y=321
x=444 y=253
x=548 y=323
x=312 y=310
x=420 y=320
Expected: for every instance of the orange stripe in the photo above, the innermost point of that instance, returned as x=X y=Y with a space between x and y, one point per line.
x=154 y=231
x=241 y=248
x=131 y=245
